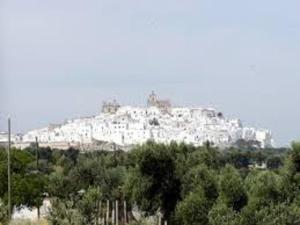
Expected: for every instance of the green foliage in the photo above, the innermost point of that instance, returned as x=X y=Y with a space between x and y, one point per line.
x=28 y=190
x=274 y=162
x=200 y=176
x=28 y=185
x=210 y=157
x=64 y=213
x=153 y=183
x=221 y=214
x=278 y=214
x=238 y=158
x=291 y=173
x=3 y=212
x=193 y=209
x=231 y=189
x=263 y=188
x=187 y=184
x=89 y=205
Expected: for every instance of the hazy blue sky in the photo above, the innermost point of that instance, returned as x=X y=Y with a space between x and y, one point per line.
x=61 y=58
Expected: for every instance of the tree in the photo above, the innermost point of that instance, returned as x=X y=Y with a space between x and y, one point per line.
x=91 y=170
x=28 y=190
x=193 y=210
x=220 y=214
x=64 y=213
x=278 y=214
x=3 y=212
x=290 y=173
x=208 y=156
x=231 y=189
x=187 y=184
x=153 y=183
x=28 y=185
x=238 y=159
x=61 y=185
x=89 y=205
x=274 y=162
x=200 y=176
x=263 y=188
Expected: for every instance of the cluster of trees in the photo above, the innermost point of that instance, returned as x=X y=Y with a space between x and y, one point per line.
x=184 y=184
x=28 y=182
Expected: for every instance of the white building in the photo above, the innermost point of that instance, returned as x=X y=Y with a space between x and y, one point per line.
x=127 y=125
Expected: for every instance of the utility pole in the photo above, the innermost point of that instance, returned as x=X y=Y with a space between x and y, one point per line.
x=8 y=170
x=113 y=222
x=125 y=212
x=117 y=212
x=97 y=211
x=37 y=167
x=159 y=218
x=107 y=212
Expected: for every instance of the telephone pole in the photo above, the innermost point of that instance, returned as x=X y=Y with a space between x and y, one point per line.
x=8 y=170
x=37 y=167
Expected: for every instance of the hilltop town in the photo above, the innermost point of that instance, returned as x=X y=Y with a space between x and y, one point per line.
x=127 y=125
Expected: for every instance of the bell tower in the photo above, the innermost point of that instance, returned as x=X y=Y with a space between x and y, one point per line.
x=152 y=99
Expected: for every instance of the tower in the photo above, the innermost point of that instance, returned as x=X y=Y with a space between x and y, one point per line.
x=110 y=107
x=152 y=99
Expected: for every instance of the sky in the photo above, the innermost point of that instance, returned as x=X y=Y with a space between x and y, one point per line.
x=62 y=58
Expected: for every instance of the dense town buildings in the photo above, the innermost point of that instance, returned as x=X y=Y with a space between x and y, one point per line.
x=159 y=121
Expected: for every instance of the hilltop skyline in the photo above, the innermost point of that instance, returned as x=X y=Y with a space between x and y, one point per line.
x=165 y=109
x=159 y=121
